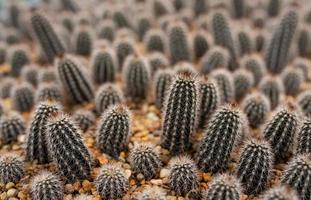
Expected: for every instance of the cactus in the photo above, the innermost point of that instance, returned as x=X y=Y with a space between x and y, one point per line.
x=68 y=23
x=30 y=75
x=157 y=61
x=238 y=8
x=145 y=159
x=280 y=193
x=303 y=64
x=280 y=131
x=143 y=25
x=111 y=183
x=216 y=57
x=6 y=87
x=49 y=92
x=67 y=149
x=106 y=96
x=23 y=97
x=153 y=193
x=11 y=168
x=104 y=66
x=179 y=4
x=201 y=44
x=209 y=101
x=292 y=79
x=274 y=8
x=256 y=107
x=155 y=40
x=273 y=89
x=14 y=15
x=36 y=148
x=200 y=7
x=255 y=166
x=243 y=82
x=183 y=175
x=244 y=42
x=123 y=48
x=303 y=42
x=180 y=112
x=107 y=30
x=47 y=186
x=19 y=59
x=3 y=54
x=84 y=119
x=225 y=84
x=120 y=19
x=136 y=76
x=260 y=41
x=256 y=66
x=83 y=42
x=162 y=83
x=259 y=18
x=304 y=102
x=298 y=175
x=161 y=8
x=303 y=137
x=223 y=37
x=226 y=126
x=70 y=5
x=74 y=81
x=47 y=75
x=277 y=52
x=224 y=187
x=178 y=43
x=47 y=37
x=114 y=130
x=11 y=127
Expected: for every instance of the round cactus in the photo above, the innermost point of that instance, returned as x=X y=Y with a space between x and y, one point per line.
x=6 y=87
x=216 y=57
x=11 y=126
x=11 y=168
x=292 y=79
x=107 y=30
x=49 y=92
x=304 y=102
x=23 y=97
x=155 y=40
x=157 y=61
x=83 y=42
x=106 y=96
x=84 y=119
x=30 y=75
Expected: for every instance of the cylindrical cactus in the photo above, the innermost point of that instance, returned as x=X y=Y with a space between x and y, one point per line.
x=255 y=65
x=121 y=19
x=183 y=175
x=292 y=79
x=155 y=40
x=280 y=193
x=6 y=87
x=49 y=92
x=19 y=59
x=303 y=64
x=145 y=159
x=304 y=137
x=111 y=183
x=114 y=130
x=30 y=75
x=243 y=82
x=273 y=89
x=238 y=7
x=123 y=47
x=274 y=7
x=304 y=42
x=47 y=75
x=11 y=126
x=11 y=168
x=157 y=61
x=143 y=25
x=161 y=8
x=23 y=97
x=84 y=119
x=67 y=149
x=180 y=112
x=225 y=84
x=162 y=83
x=107 y=30
x=222 y=134
x=216 y=57
x=47 y=186
x=304 y=102
x=106 y=96
x=201 y=44
x=244 y=42
x=83 y=42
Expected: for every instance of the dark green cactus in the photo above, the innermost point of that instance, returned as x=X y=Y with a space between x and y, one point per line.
x=255 y=65
x=11 y=126
x=143 y=25
x=6 y=87
x=157 y=61
x=243 y=82
x=292 y=79
x=225 y=84
x=49 y=92
x=304 y=102
x=11 y=168
x=19 y=59
x=120 y=19
x=201 y=44
x=303 y=42
x=123 y=47
x=273 y=89
x=216 y=57
x=304 y=137
x=30 y=75
x=84 y=119
x=162 y=83
x=274 y=8
x=245 y=42
x=155 y=40
x=200 y=7
x=23 y=97
x=107 y=30
x=83 y=42
x=106 y=96
x=239 y=8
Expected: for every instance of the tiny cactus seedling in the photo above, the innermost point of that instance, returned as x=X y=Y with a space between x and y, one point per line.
x=107 y=95
x=304 y=137
x=6 y=87
x=47 y=186
x=153 y=193
x=19 y=59
x=84 y=119
x=224 y=187
x=225 y=84
x=104 y=66
x=255 y=65
x=178 y=43
x=145 y=159
x=36 y=148
x=304 y=102
x=256 y=107
x=23 y=97
x=74 y=81
x=255 y=166
x=216 y=57
x=201 y=44
x=274 y=8
x=280 y=193
x=156 y=40
x=47 y=37
x=111 y=183
x=47 y=75
x=136 y=75
x=123 y=47
x=30 y=75
x=278 y=49
x=67 y=149
x=183 y=175
x=280 y=131
x=273 y=89
x=180 y=112
x=11 y=168
x=222 y=134
x=298 y=176
x=114 y=130
x=49 y=92
x=11 y=127
x=292 y=79
x=83 y=42
x=162 y=83
x=157 y=61
x=243 y=82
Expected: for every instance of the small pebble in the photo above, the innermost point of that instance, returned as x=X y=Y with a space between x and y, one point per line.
x=156 y=181
x=12 y=192
x=140 y=177
x=164 y=173
x=9 y=185
x=128 y=173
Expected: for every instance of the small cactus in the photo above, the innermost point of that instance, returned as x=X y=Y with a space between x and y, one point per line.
x=304 y=65
x=256 y=107
x=145 y=159
x=107 y=30
x=256 y=66
x=74 y=81
x=292 y=79
x=243 y=82
x=84 y=119
x=23 y=97
x=303 y=42
x=153 y=193
x=143 y=25
x=67 y=149
x=36 y=148
x=49 y=92
x=47 y=37
x=83 y=42
x=70 y=5
x=11 y=127
x=106 y=96
x=225 y=84
x=304 y=137
x=123 y=48
x=3 y=54
x=6 y=87
x=304 y=102
x=19 y=59
x=11 y=168
x=201 y=44
x=216 y=57
x=277 y=52
x=255 y=166
x=298 y=176
x=162 y=83
x=157 y=61
x=47 y=75
x=111 y=183
x=273 y=89
x=161 y=8
x=280 y=131
x=183 y=175
x=239 y=8
x=114 y=130
x=226 y=126
x=47 y=186
x=136 y=74
x=274 y=8
x=280 y=193
x=30 y=75
x=244 y=42
x=155 y=40
x=120 y=19
x=224 y=187
x=180 y=111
